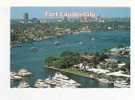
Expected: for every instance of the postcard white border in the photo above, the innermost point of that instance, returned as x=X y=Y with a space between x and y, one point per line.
x=7 y=93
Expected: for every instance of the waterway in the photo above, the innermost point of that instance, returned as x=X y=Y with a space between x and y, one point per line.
x=25 y=57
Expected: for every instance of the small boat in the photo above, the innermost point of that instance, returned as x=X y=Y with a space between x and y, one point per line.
x=56 y=43
x=14 y=76
x=121 y=84
x=13 y=73
x=92 y=76
x=41 y=84
x=104 y=81
x=92 y=39
x=59 y=75
x=23 y=84
x=24 y=72
x=34 y=49
x=18 y=45
x=80 y=42
x=76 y=33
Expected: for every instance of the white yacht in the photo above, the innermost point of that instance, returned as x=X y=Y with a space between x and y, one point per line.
x=14 y=76
x=24 y=72
x=41 y=84
x=59 y=75
x=23 y=84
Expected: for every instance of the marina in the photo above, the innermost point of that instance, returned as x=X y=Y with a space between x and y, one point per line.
x=24 y=58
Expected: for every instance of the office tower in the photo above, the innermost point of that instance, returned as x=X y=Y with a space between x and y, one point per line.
x=26 y=18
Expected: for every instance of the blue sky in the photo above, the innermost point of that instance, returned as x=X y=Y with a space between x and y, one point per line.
x=38 y=12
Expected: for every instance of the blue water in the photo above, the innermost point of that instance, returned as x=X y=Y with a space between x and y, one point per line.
x=23 y=57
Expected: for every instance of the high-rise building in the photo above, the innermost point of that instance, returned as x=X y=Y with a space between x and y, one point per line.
x=26 y=18
x=85 y=19
x=99 y=19
x=66 y=19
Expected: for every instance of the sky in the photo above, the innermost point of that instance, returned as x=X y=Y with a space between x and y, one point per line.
x=39 y=12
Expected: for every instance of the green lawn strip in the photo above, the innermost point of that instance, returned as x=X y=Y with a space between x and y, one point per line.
x=77 y=72
x=73 y=71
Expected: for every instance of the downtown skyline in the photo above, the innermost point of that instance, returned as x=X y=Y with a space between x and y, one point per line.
x=39 y=12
